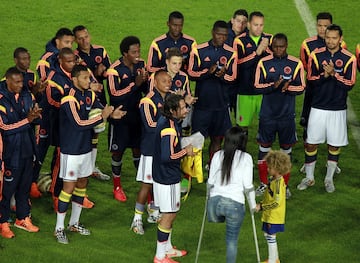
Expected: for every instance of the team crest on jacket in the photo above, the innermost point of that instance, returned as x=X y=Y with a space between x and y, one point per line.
x=30 y=83
x=7 y=173
x=178 y=83
x=223 y=60
x=339 y=63
x=287 y=70
x=184 y=49
x=98 y=59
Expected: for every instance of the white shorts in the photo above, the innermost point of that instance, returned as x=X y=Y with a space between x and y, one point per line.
x=73 y=167
x=327 y=125
x=144 y=172
x=167 y=197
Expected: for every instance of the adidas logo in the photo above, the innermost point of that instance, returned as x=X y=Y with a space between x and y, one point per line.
x=272 y=69
x=207 y=59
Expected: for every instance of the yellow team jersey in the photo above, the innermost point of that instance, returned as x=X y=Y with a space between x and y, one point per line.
x=274 y=203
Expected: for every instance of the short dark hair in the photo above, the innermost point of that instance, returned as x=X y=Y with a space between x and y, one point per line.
x=78 y=28
x=171 y=103
x=65 y=51
x=127 y=42
x=255 y=13
x=280 y=36
x=19 y=50
x=64 y=31
x=12 y=71
x=324 y=15
x=173 y=52
x=176 y=15
x=241 y=12
x=77 y=69
x=334 y=27
x=220 y=24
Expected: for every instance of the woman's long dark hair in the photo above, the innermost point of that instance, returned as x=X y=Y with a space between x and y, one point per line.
x=235 y=139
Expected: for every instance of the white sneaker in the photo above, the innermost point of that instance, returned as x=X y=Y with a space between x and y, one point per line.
x=305 y=183
x=137 y=227
x=100 y=175
x=329 y=186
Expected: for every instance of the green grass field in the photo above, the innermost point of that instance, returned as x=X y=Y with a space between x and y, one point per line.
x=320 y=227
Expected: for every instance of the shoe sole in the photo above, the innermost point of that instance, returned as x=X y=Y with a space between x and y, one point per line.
x=24 y=228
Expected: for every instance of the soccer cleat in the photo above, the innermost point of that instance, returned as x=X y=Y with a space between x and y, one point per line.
x=79 y=228
x=173 y=253
x=305 y=183
x=61 y=236
x=87 y=203
x=5 y=230
x=288 y=193
x=34 y=191
x=329 y=186
x=100 y=175
x=302 y=169
x=164 y=260
x=261 y=189
x=119 y=194
x=137 y=227
x=154 y=215
x=26 y=225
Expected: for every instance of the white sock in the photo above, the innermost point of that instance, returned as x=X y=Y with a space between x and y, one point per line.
x=309 y=169
x=330 y=170
x=168 y=244
x=60 y=219
x=272 y=248
x=161 y=249
x=93 y=156
x=75 y=213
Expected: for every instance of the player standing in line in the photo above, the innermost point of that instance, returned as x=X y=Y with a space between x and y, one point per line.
x=17 y=112
x=237 y=26
x=213 y=66
x=323 y=20
x=22 y=63
x=279 y=77
x=97 y=60
x=63 y=38
x=167 y=174
x=274 y=202
x=332 y=74
x=250 y=46
x=173 y=38
x=150 y=107
x=127 y=80
x=75 y=148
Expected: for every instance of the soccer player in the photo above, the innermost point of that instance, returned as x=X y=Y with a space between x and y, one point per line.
x=250 y=46
x=273 y=205
x=97 y=60
x=324 y=19
x=75 y=148
x=30 y=83
x=213 y=65
x=63 y=38
x=17 y=112
x=332 y=73
x=150 y=107
x=237 y=26
x=173 y=38
x=167 y=174
x=279 y=77
x=127 y=80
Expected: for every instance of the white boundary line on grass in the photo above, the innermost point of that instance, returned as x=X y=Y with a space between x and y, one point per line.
x=310 y=23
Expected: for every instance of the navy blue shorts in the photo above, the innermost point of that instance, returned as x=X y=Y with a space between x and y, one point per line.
x=211 y=123
x=272 y=228
x=285 y=129
x=125 y=133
